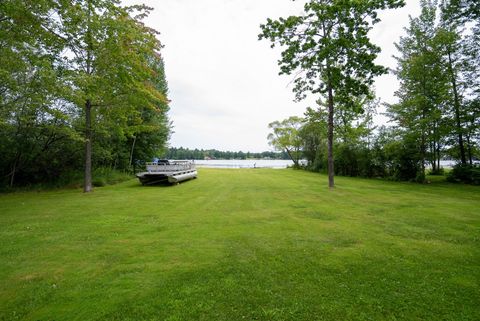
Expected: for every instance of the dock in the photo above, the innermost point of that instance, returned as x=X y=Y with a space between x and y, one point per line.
x=167 y=172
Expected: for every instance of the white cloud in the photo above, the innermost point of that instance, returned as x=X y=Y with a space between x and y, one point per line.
x=224 y=83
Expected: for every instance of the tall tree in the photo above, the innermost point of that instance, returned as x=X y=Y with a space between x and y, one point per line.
x=330 y=53
x=448 y=44
x=472 y=78
x=106 y=63
x=424 y=85
x=150 y=131
x=32 y=117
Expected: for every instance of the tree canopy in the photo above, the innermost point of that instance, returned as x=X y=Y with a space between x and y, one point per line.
x=285 y=136
x=82 y=72
x=329 y=52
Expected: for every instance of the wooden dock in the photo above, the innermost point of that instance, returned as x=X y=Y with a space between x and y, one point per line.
x=167 y=172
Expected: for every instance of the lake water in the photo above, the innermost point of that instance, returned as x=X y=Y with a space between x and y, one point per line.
x=244 y=163
x=269 y=163
x=445 y=163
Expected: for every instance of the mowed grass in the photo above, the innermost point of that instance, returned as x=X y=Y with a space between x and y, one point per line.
x=252 y=244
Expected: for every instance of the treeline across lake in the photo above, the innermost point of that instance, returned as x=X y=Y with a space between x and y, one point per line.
x=82 y=88
x=185 y=153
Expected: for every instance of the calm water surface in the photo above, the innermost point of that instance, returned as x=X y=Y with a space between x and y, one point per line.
x=269 y=163
x=244 y=163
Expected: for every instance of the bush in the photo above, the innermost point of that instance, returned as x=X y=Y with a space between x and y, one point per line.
x=106 y=176
x=74 y=179
x=469 y=174
x=437 y=172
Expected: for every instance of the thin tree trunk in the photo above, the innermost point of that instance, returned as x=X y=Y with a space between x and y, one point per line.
x=438 y=156
x=331 y=183
x=469 y=151
x=435 y=147
x=423 y=130
x=131 y=151
x=456 y=104
x=14 y=170
x=87 y=182
x=422 y=155
x=291 y=157
x=432 y=159
x=422 y=146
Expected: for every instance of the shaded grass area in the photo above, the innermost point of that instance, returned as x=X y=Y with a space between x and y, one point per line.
x=101 y=176
x=253 y=244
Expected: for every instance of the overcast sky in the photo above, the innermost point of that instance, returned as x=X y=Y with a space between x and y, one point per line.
x=224 y=83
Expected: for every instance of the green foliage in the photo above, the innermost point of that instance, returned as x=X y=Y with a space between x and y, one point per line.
x=330 y=53
x=437 y=69
x=469 y=174
x=107 y=176
x=462 y=11
x=387 y=154
x=424 y=88
x=437 y=115
x=71 y=179
x=285 y=136
x=436 y=172
x=57 y=57
x=313 y=136
x=329 y=44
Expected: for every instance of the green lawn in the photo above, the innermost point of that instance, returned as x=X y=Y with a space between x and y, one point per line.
x=252 y=244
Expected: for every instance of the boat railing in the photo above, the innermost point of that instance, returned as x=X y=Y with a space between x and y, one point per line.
x=171 y=167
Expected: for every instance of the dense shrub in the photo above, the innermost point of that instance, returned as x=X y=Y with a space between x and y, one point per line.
x=74 y=179
x=469 y=174
x=437 y=172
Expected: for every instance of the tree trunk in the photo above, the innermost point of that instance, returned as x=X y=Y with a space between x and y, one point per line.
x=456 y=105
x=87 y=182
x=131 y=151
x=469 y=150
x=423 y=131
x=436 y=146
x=422 y=156
x=291 y=157
x=14 y=170
x=330 y=137
x=438 y=156
x=433 y=154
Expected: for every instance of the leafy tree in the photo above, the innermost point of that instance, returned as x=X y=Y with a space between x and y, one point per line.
x=449 y=45
x=353 y=133
x=33 y=118
x=462 y=10
x=106 y=63
x=61 y=61
x=438 y=73
x=424 y=86
x=285 y=136
x=471 y=76
x=314 y=138
x=151 y=131
x=330 y=53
